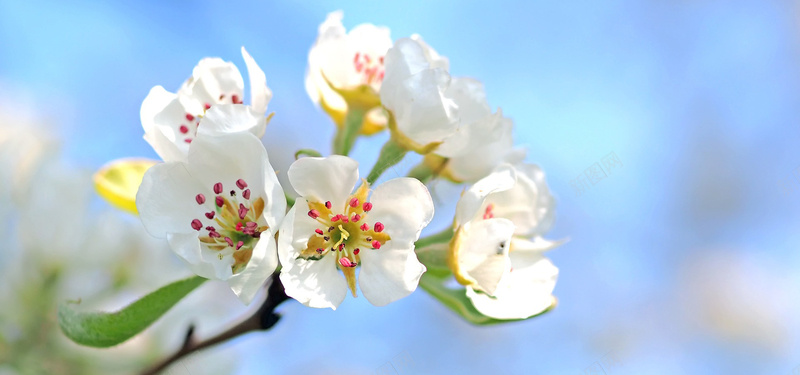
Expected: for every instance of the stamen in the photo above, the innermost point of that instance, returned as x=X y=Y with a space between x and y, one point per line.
x=189 y=117
x=233 y=193
x=346 y=262
x=356 y=251
x=331 y=228
x=367 y=207
x=319 y=251
x=364 y=227
x=197 y=225
x=200 y=198
x=210 y=215
x=242 y=211
x=188 y=140
x=183 y=129
x=235 y=99
x=335 y=218
x=326 y=238
x=328 y=205
x=211 y=229
x=378 y=227
x=356 y=218
x=229 y=241
x=376 y=244
x=241 y=184
x=219 y=201
x=239 y=227
x=239 y=245
x=218 y=188
x=488 y=214
x=319 y=231
x=313 y=214
x=354 y=202
x=246 y=194
x=214 y=235
x=206 y=106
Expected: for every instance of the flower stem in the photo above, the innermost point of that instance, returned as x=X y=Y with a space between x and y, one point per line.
x=347 y=134
x=391 y=154
x=261 y=320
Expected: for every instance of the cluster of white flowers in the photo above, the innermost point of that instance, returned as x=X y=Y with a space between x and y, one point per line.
x=218 y=202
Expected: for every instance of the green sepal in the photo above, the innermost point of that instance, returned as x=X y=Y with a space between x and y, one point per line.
x=104 y=329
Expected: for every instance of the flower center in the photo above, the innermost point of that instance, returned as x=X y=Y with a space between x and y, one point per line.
x=370 y=67
x=233 y=225
x=344 y=233
x=193 y=120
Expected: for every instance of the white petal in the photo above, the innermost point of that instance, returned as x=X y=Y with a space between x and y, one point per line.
x=227 y=158
x=259 y=91
x=422 y=111
x=470 y=96
x=527 y=290
x=483 y=251
x=483 y=158
x=389 y=273
x=528 y=204
x=232 y=118
x=261 y=265
x=404 y=59
x=404 y=206
x=187 y=247
x=312 y=283
x=433 y=57
x=329 y=31
x=324 y=179
x=166 y=199
x=211 y=78
x=161 y=115
x=471 y=202
x=538 y=244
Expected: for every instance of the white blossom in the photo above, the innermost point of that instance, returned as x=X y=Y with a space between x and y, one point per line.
x=329 y=229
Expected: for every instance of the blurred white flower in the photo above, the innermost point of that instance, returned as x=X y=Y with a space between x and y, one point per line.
x=497 y=248
x=347 y=61
x=172 y=120
x=330 y=228
x=219 y=211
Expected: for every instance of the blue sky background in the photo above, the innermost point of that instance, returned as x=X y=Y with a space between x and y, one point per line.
x=684 y=260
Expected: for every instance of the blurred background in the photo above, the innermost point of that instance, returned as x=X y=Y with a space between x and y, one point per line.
x=681 y=259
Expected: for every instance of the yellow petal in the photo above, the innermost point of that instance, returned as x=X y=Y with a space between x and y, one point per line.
x=118 y=181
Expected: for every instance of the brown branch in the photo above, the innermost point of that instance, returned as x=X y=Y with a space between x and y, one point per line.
x=261 y=320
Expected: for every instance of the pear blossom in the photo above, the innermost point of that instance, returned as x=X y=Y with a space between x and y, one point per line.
x=497 y=248
x=341 y=60
x=171 y=120
x=330 y=230
x=415 y=90
x=219 y=210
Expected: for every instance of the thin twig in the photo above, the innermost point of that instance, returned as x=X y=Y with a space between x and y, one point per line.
x=261 y=320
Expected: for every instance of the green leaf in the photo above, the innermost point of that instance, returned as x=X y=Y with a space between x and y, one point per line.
x=456 y=299
x=102 y=330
